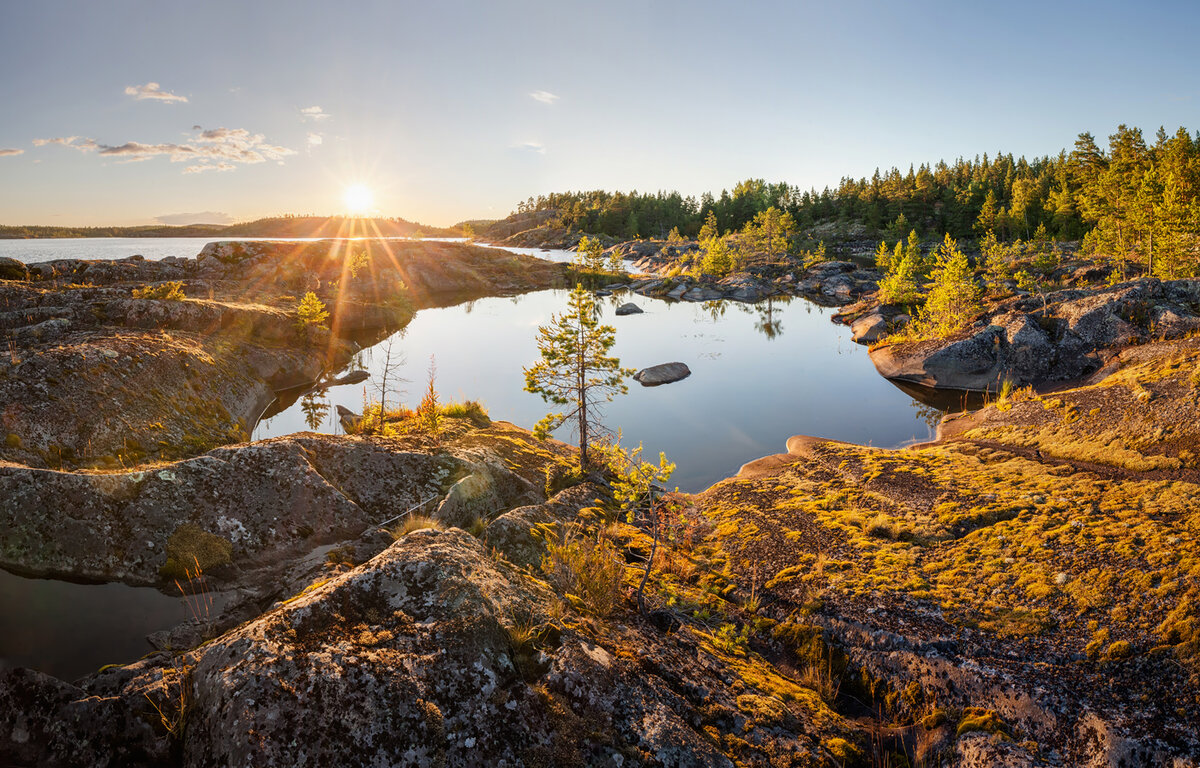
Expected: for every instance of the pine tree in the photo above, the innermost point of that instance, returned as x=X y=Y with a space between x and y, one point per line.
x=954 y=298
x=311 y=311
x=575 y=370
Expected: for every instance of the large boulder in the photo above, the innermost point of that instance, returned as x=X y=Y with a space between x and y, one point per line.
x=629 y=308
x=405 y=661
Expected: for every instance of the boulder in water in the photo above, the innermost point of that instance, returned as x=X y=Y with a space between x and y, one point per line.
x=662 y=374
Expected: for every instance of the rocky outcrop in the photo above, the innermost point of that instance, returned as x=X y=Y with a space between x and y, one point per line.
x=832 y=283
x=244 y=505
x=629 y=308
x=1028 y=340
x=664 y=373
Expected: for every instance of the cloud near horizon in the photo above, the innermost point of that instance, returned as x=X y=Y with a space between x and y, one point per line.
x=217 y=149
x=544 y=96
x=11 y=152
x=202 y=217
x=74 y=142
x=152 y=91
x=532 y=146
x=313 y=113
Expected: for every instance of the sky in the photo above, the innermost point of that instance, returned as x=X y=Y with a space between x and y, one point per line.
x=131 y=112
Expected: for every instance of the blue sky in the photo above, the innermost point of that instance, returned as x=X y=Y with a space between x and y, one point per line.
x=455 y=110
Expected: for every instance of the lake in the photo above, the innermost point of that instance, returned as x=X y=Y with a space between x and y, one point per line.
x=760 y=374
x=156 y=248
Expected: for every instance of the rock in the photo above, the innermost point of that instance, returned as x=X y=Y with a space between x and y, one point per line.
x=347 y=418
x=664 y=373
x=869 y=328
x=1064 y=336
x=678 y=291
x=629 y=308
x=408 y=656
x=45 y=721
x=966 y=363
x=11 y=269
x=703 y=293
x=471 y=497
x=745 y=288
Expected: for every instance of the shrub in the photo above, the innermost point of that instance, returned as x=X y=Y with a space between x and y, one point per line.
x=171 y=290
x=586 y=569
x=414 y=523
x=979 y=719
x=311 y=311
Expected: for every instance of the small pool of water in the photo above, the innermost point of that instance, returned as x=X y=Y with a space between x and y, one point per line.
x=760 y=374
x=68 y=629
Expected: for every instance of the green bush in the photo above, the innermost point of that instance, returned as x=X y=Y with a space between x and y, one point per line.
x=171 y=290
x=311 y=311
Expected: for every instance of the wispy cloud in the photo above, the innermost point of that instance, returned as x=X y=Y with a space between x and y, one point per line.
x=544 y=96
x=152 y=91
x=313 y=113
x=210 y=167
x=217 y=149
x=202 y=217
x=532 y=146
x=315 y=139
x=74 y=142
x=11 y=152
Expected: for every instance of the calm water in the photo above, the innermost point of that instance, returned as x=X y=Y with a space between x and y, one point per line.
x=68 y=629
x=749 y=390
x=152 y=248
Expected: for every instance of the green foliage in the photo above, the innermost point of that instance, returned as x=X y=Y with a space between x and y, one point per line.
x=632 y=479
x=171 y=290
x=589 y=255
x=575 y=369
x=953 y=299
x=359 y=260
x=770 y=232
x=311 y=311
x=899 y=284
x=729 y=640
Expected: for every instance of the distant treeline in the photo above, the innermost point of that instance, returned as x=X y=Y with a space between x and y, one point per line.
x=276 y=226
x=1136 y=202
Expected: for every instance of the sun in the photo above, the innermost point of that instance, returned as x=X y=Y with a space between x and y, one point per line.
x=358 y=199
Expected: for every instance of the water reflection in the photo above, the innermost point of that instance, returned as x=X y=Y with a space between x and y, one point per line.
x=315 y=408
x=752 y=385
